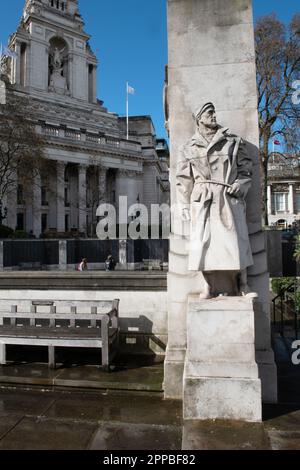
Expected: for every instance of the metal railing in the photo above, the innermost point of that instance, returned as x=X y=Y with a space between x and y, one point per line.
x=286 y=308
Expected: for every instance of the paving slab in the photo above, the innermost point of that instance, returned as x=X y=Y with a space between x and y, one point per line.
x=30 y=373
x=140 y=378
x=7 y=422
x=120 y=436
x=47 y=434
x=133 y=409
x=224 y=435
x=20 y=403
x=284 y=440
x=282 y=417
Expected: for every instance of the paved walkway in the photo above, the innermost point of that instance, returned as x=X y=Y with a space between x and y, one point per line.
x=37 y=415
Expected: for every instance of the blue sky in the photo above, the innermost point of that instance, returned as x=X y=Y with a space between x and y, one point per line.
x=129 y=38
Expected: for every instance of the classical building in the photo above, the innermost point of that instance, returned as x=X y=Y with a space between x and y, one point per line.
x=283 y=190
x=57 y=69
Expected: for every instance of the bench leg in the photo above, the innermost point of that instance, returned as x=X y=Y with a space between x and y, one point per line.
x=2 y=354
x=105 y=356
x=51 y=357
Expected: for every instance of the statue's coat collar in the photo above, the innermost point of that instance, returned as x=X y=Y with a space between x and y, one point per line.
x=199 y=140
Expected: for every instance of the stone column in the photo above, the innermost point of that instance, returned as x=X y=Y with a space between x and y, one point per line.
x=60 y=197
x=17 y=70
x=28 y=199
x=11 y=204
x=214 y=61
x=2 y=92
x=95 y=84
x=82 y=198
x=37 y=201
x=291 y=202
x=123 y=253
x=102 y=184
x=1 y=255
x=269 y=196
x=62 y=247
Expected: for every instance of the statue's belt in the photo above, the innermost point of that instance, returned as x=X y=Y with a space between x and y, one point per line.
x=214 y=182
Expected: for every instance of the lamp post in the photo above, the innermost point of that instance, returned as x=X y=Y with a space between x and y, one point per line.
x=3 y=212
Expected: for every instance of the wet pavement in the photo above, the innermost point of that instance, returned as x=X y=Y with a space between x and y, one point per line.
x=79 y=407
x=42 y=419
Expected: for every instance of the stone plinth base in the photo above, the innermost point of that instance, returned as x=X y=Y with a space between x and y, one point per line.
x=220 y=374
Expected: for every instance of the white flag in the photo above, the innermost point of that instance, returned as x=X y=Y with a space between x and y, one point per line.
x=9 y=53
x=130 y=90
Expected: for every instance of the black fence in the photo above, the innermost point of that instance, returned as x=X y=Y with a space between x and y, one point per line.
x=96 y=251
x=35 y=254
x=289 y=265
x=30 y=252
x=137 y=250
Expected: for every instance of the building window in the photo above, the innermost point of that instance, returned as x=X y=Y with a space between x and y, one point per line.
x=57 y=4
x=44 y=196
x=67 y=203
x=20 y=196
x=280 y=202
x=20 y=221
x=67 y=222
x=297 y=202
x=44 y=222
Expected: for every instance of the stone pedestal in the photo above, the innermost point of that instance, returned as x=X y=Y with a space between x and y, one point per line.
x=2 y=92
x=220 y=378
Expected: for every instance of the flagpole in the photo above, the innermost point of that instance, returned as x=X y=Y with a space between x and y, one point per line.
x=273 y=149
x=127 y=111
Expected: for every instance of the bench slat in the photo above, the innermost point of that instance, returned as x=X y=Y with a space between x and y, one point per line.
x=46 y=332
x=57 y=316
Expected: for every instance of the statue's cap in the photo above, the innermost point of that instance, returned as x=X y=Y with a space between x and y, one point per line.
x=201 y=109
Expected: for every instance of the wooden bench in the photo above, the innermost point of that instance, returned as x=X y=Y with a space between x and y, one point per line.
x=33 y=266
x=152 y=264
x=80 y=324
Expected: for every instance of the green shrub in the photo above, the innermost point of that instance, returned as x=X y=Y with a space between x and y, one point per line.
x=280 y=283
x=297 y=248
x=5 y=232
x=20 y=234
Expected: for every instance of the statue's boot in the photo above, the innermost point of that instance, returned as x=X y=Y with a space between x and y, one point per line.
x=205 y=294
x=245 y=290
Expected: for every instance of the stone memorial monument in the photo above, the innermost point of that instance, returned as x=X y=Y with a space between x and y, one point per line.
x=219 y=358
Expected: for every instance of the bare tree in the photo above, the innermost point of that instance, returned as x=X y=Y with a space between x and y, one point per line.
x=21 y=148
x=278 y=68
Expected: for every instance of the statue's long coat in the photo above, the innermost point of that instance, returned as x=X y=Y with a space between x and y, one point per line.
x=219 y=237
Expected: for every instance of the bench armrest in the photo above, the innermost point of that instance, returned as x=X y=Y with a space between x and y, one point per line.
x=114 y=314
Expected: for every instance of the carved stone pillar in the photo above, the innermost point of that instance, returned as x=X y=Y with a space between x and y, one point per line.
x=82 y=200
x=102 y=185
x=37 y=201
x=269 y=196
x=60 y=197
x=16 y=65
x=291 y=202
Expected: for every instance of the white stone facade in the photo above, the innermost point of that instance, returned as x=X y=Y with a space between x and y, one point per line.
x=283 y=190
x=57 y=70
